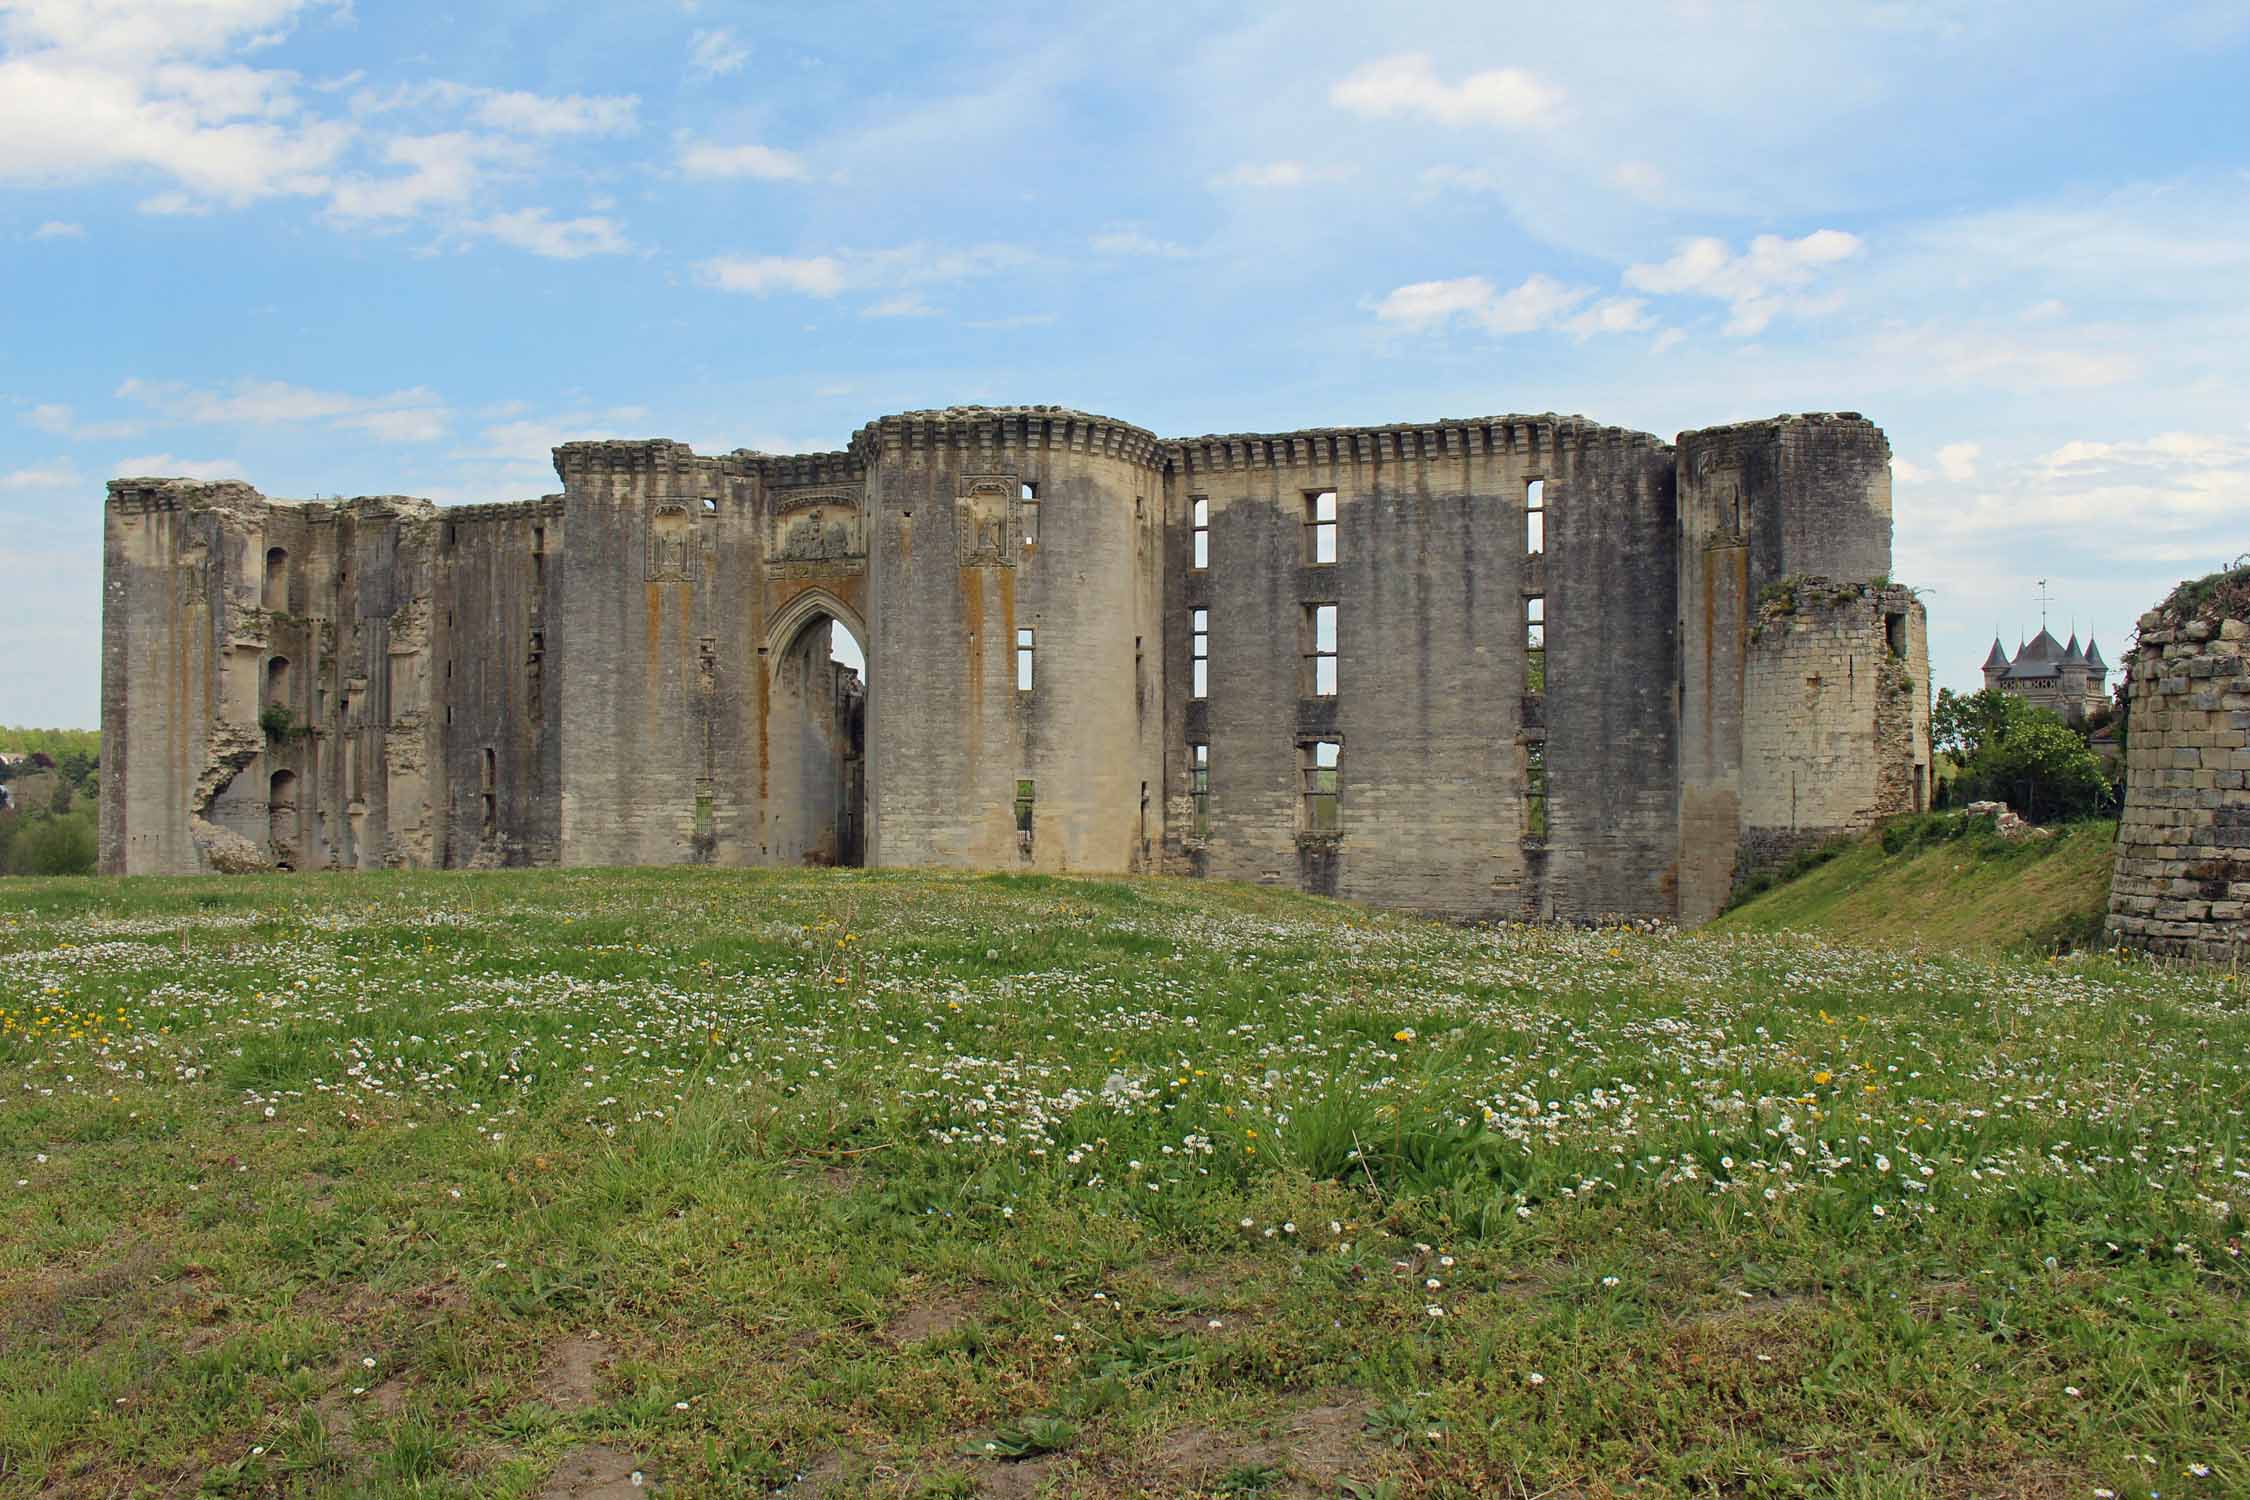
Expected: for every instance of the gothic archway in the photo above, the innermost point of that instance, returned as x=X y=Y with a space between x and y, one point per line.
x=815 y=735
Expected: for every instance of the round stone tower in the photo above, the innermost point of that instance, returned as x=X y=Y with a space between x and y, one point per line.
x=1013 y=712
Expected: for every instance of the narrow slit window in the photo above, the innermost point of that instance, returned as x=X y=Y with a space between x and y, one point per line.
x=1535 y=517
x=1199 y=647
x=1535 y=643
x=1027 y=510
x=1199 y=511
x=1320 y=651
x=1024 y=800
x=1023 y=661
x=1323 y=786
x=1320 y=527
x=1535 y=790
x=1199 y=788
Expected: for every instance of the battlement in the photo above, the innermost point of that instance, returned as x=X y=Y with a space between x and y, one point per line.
x=1450 y=438
x=986 y=429
x=629 y=455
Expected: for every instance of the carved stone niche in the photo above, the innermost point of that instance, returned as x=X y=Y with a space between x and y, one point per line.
x=671 y=541
x=1718 y=481
x=818 y=524
x=985 y=523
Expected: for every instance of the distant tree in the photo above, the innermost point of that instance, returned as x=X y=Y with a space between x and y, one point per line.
x=9 y=823
x=2012 y=752
x=56 y=845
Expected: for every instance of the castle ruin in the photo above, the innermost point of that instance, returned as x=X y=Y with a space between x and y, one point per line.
x=1508 y=667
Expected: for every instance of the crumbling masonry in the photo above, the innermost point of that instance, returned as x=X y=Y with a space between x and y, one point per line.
x=1520 y=666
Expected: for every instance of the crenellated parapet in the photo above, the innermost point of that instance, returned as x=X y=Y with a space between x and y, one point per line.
x=978 y=434
x=1450 y=440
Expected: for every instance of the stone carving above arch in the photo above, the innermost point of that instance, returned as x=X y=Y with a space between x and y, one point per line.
x=818 y=524
x=671 y=542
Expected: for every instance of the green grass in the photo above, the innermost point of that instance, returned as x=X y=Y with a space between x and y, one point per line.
x=916 y=1185
x=1946 y=882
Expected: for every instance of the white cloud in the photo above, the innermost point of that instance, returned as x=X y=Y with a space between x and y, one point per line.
x=1407 y=84
x=416 y=415
x=60 y=474
x=716 y=53
x=1958 y=462
x=444 y=170
x=165 y=466
x=1955 y=352
x=1539 y=301
x=1280 y=174
x=56 y=229
x=62 y=421
x=900 y=268
x=1637 y=178
x=574 y=114
x=1761 y=283
x=535 y=230
x=769 y=163
x=903 y=305
x=1130 y=241
x=92 y=89
x=1610 y=315
x=812 y=276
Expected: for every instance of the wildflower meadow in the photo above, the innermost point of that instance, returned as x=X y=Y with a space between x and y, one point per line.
x=595 y=1183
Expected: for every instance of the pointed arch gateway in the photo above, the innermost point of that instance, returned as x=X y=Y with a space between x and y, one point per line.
x=815 y=730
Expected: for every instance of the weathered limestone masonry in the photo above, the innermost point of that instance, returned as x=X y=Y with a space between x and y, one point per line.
x=1504 y=667
x=2181 y=886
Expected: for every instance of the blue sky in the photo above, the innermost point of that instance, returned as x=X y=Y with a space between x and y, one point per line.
x=381 y=248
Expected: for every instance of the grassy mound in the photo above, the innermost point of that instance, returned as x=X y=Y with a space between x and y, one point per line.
x=695 y=1182
x=1947 y=882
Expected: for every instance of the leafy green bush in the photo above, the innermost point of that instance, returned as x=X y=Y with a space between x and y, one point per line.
x=62 y=844
x=2010 y=751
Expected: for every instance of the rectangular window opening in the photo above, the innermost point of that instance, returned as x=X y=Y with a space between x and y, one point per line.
x=1321 y=762
x=1320 y=527
x=1320 y=651
x=1199 y=513
x=1023 y=661
x=1199 y=649
x=1027 y=512
x=1894 y=633
x=1199 y=788
x=1024 y=799
x=1535 y=790
x=1535 y=643
x=710 y=505
x=1535 y=517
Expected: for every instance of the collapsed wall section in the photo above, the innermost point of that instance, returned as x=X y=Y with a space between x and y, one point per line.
x=1760 y=503
x=2181 y=885
x=1424 y=666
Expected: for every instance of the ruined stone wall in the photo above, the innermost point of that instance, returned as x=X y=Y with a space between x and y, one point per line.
x=1835 y=719
x=1759 y=502
x=957 y=571
x=2181 y=885
x=633 y=672
x=499 y=699
x=1432 y=709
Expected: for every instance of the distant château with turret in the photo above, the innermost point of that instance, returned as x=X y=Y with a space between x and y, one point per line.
x=2071 y=681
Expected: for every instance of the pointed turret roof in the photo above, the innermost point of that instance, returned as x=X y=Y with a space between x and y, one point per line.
x=1998 y=657
x=2094 y=656
x=2072 y=656
x=2043 y=647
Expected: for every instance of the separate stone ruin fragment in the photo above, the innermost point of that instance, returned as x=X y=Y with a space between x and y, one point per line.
x=2182 y=880
x=1502 y=667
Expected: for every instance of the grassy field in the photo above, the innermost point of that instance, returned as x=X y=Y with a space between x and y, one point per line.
x=1945 y=882
x=579 y=1184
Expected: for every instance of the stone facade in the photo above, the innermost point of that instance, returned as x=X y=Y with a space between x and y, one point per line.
x=2182 y=881
x=1503 y=667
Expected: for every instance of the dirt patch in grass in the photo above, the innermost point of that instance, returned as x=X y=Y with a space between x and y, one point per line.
x=1313 y=1447
x=570 y=1372
x=932 y=1317
x=597 y=1473
x=83 y=1305
x=822 y=1479
x=1017 y=1480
